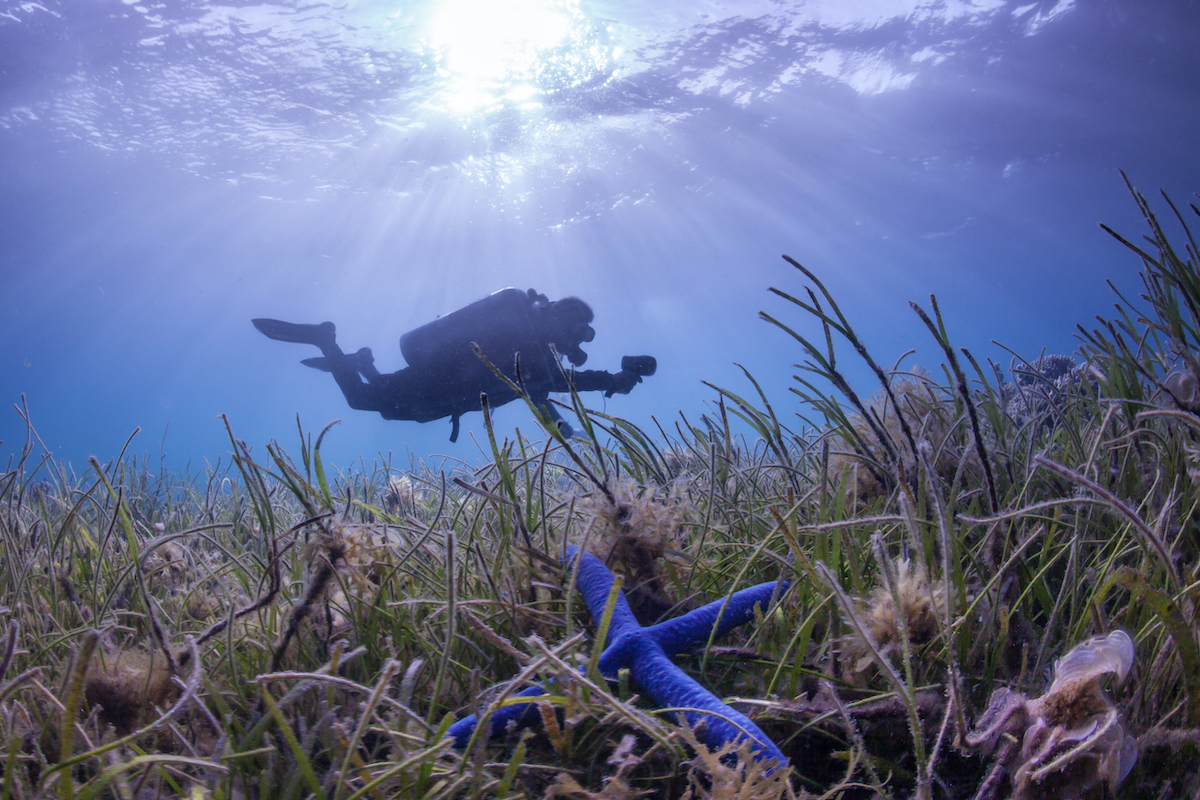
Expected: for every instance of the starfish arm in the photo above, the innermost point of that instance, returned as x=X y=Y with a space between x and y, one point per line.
x=715 y=722
x=595 y=582
x=693 y=628
x=622 y=652
x=519 y=715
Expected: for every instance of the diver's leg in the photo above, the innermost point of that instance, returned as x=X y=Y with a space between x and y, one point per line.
x=364 y=360
x=360 y=394
x=552 y=411
x=345 y=369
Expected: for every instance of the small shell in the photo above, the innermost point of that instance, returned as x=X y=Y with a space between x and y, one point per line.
x=1096 y=657
x=1182 y=385
x=1120 y=763
x=1075 y=739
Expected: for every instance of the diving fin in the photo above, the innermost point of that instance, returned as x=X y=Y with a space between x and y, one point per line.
x=362 y=360
x=322 y=335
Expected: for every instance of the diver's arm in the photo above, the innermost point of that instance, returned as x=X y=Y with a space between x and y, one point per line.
x=589 y=380
x=632 y=370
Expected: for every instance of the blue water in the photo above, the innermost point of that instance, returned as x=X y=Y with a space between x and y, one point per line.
x=170 y=170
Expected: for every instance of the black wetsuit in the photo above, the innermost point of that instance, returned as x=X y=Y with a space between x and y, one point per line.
x=445 y=376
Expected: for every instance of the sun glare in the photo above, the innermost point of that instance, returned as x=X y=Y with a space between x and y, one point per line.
x=494 y=52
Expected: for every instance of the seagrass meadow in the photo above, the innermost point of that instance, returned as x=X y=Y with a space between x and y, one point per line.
x=992 y=590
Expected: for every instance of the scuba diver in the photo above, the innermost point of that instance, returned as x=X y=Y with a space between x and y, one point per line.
x=445 y=377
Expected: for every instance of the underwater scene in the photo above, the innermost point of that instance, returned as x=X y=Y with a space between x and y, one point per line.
x=600 y=399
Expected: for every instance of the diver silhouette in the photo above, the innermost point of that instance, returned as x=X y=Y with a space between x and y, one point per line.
x=445 y=377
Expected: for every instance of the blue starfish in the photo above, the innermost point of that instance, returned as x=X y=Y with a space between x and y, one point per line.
x=646 y=652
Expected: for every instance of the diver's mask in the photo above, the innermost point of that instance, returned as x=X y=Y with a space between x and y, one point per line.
x=582 y=333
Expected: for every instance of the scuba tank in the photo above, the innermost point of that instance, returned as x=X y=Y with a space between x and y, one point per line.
x=505 y=324
x=502 y=324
